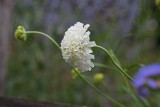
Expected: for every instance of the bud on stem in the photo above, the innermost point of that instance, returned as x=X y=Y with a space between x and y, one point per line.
x=20 y=33
x=98 y=78
x=74 y=74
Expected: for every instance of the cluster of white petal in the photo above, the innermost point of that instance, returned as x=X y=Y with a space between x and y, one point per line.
x=76 y=47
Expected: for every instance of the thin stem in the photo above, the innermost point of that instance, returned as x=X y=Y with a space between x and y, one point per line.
x=97 y=90
x=121 y=41
x=134 y=66
x=106 y=88
x=103 y=66
x=144 y=102
x=98 y=99
x=123 y=72
x=117 y=65
x=131 y=91
x=37 y=32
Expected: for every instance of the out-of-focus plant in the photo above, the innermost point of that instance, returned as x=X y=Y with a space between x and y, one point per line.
x=76 y=50
x=109 y=20
x=158 y=3
x=146 y=79
x=98 y=78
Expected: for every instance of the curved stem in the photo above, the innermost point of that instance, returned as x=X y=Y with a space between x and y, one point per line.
x=117 y=65
x=97 y=90
x=85 y=80
x=123 y=72
x=134 y=65
x=98 y=99
x=103 y=66
x=121 y=41
x=130 y=91
x=37 y=32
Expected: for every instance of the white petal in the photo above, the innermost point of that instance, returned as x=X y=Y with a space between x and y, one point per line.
x=86 y=26
x=91 y=44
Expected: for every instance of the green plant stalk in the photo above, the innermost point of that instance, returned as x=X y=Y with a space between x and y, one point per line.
x=145 y=102
x=98 y=99
x=131 y=92
x=124 y=74
x=134 y=65
x=41 y=33
x=103 y=66
x=117 y=65
x=97 y=90
x=121 y=41
x=126 y=82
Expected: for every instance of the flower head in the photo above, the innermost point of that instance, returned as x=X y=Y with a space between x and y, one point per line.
x=76 y=47
x=145 y=79
x=20 y=33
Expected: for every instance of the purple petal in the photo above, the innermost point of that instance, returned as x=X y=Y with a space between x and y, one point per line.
x=144 y=73
x=150 y=70
x=139 y=82
x=152 y=84
x=143 y=92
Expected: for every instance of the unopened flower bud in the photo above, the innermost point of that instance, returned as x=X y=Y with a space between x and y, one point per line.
x=98 y=78
x=20 y=33
x=158 y=3
x=74 y=74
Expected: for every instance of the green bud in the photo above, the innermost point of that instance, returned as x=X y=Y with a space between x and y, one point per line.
x=98 y=78
x=74 y=74
x=20 y=33
x=158 y=3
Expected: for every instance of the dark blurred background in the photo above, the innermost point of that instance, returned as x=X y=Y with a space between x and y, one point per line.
x=36 y=70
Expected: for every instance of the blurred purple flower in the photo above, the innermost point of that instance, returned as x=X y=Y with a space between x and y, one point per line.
x=144 y=78
x=143 y=92
x=128 y=14
x=52 y=18
x=28 y=4
x=89 y=12
x=52 y=4
x=81 y=3
x=66 y=5
x=100 y=14
x=152 y=84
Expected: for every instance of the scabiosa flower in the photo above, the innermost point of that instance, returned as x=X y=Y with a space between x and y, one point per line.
x=145 y=79
x=76 y=47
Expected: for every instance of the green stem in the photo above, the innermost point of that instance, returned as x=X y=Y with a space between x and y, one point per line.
x=130 y=91
x=37 y=32
x=145 y=102
x=121 y=41
x=117 y=65
x=103 y=66
x=123 y=72
x=106 y=88
x=97 y=90
x=86 y=81
x=98 y=99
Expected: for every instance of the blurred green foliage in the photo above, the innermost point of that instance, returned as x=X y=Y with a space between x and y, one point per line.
x=36 y=69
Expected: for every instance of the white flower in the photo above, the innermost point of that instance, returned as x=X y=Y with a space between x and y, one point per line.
x=76 y=47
